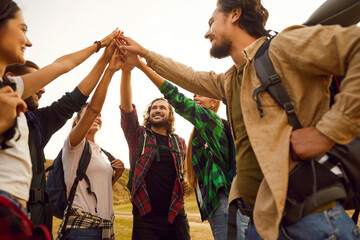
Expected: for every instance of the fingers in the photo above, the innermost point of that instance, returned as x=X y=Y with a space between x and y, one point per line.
x=107 y=40
x=117 y=164
x=11 y=103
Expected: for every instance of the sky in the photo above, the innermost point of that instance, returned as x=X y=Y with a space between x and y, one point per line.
x=174 y=29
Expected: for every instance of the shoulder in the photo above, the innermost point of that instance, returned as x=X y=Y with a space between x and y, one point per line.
x=19 y=84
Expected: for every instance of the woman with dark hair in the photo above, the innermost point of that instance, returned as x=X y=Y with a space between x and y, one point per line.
x=209 y=156
x=15 y=161
x=91 y=215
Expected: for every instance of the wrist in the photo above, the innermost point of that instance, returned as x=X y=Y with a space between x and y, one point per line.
x=144 y=52
x=98 y=45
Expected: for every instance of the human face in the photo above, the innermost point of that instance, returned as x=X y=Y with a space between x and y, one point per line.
x=97 y=124
x=204 y=101
x=159 y=113
x=217 y=34
x=33 y=101
x=13 y=40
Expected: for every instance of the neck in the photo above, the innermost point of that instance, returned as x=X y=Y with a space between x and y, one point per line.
x=90 y=137
x=159 y=130
x=241 y=40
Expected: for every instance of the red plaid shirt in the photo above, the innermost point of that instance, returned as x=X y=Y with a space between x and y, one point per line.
x=15 y=224
x=139 y=195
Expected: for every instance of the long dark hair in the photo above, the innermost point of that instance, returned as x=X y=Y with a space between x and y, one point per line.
x=253 y=15
x=170 y=123
x=8 y=9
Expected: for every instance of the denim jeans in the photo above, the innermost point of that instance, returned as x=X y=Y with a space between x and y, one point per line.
x=154 y=227
x=333 y=223
x=219 y=220
x=82 y=234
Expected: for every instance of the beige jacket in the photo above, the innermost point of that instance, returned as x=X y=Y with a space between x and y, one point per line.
x=305 y=58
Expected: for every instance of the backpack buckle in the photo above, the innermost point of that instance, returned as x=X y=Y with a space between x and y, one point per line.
x=274 y=79
x=289 y=108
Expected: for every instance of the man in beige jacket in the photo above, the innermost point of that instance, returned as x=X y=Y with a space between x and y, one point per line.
x=267 y=148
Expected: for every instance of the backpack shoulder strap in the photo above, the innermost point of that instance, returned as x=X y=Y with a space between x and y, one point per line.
x=271 y=82
x=81 y=171
x=109 y=155
x=140 y=151
x=80 y=174
x=176 y=140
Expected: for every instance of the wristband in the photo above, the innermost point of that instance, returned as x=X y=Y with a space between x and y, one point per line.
x=98 y=45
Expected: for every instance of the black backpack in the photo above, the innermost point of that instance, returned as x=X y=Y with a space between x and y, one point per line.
x=326 y=186
x=55 y=184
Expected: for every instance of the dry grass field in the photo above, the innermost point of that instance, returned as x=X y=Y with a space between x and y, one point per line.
x=123 y=221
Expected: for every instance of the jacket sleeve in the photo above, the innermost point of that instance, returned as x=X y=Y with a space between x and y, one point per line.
x=132 y=131
x=329 y=50
x=207 y=84
x=54 y=117
x=186 y=107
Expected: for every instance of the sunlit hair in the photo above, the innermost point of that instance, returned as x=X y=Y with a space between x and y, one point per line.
x=189 y=169
x=253 y=15
x=77 y=117
x=169 y=124
x=21 y=69
x=8 y=9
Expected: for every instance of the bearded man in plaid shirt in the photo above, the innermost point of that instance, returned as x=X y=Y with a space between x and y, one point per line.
x=156 y=173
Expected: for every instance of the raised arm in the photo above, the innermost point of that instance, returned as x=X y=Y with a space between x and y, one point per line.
x=79 y=132
x=126 y=91
x=87 y=85
x=35 y=81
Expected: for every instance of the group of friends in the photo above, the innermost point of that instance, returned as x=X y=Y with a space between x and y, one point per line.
x=245 y=160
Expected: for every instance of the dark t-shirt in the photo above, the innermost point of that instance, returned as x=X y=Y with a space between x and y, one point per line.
x=160 y=179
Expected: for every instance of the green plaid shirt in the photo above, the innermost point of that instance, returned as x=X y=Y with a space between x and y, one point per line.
x=207 y=123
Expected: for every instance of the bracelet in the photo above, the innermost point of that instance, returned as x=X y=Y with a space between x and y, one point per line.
x=98 y=45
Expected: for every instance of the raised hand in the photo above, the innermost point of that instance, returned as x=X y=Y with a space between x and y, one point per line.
x=107 y=40
x=132 y=46
x=109 y=50
x=115 y=63
x=131 y=59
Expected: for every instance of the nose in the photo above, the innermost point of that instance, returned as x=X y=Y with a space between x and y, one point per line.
x=28 y=43
x=207 y=34
x=42 y=91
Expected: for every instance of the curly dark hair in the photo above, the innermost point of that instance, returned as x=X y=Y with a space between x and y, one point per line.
x=170 y=123
x=8 y=9
x=253 y=15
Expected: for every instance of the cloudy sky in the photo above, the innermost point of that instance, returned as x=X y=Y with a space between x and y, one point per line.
x=172 y=28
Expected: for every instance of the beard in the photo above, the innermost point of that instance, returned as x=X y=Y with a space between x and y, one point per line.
x=31 y=103
x=221 y=50
x=158 y=123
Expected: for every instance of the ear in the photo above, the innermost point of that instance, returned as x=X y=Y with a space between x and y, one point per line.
x=235 y=14
x=10 y=74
